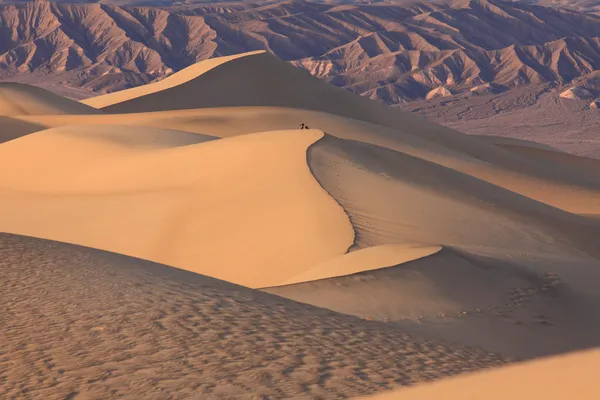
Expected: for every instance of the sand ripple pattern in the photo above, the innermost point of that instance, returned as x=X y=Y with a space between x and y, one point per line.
x=77 y=323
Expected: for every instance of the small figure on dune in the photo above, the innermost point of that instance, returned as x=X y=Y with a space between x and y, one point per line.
x=302 y=125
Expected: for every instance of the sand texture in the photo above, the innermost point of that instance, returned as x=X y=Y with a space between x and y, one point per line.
x=82 y=323
x=399 y=230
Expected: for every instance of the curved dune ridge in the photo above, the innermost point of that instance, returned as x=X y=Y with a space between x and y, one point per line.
x=176 y=79
x=187 y=206
x=19 y=99
x=394 y=197
x=555 y=378
x=86 y=323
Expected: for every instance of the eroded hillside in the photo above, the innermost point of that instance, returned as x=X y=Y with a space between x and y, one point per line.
x=388 y=52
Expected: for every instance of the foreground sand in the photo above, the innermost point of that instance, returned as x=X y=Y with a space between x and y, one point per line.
x=371 y=213
x=82 y=323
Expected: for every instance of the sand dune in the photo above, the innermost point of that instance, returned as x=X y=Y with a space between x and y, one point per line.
x=185 y=205
x=368 y=259
x=372 y=212
x=394 y=197
x=541 y=181
x=445 y=283
x=391 y=197
x=251 y=79
x=504 y=141
x=588 y=168
x=78 y=322
x=260 y=79
x=552 y=379
x=179 y=78
x=19 y=99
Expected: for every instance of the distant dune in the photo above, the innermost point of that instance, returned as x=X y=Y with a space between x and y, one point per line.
x=390 y=224
x=177 y=79
x=18 y=99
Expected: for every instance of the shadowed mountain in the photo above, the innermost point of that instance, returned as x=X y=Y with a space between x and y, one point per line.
x=391 y=52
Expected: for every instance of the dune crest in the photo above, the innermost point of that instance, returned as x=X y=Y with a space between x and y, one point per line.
x=187 y=206
x=176 y=79
x=367 y=259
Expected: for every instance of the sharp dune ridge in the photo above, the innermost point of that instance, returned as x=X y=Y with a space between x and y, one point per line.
x=378 y=225
x=235 y=83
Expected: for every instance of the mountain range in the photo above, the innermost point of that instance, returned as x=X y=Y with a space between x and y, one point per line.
x=390 y=52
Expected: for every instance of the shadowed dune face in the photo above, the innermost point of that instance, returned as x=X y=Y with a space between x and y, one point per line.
x=12 y=128
x=446 y=283
x=394 y=197
x=99 y=324
x=18 y=99
x=519 y=309
x=182 y=77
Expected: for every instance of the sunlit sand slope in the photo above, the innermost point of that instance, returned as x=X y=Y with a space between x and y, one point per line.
x=78 y=322
x=554 y=378
x=245 y=209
